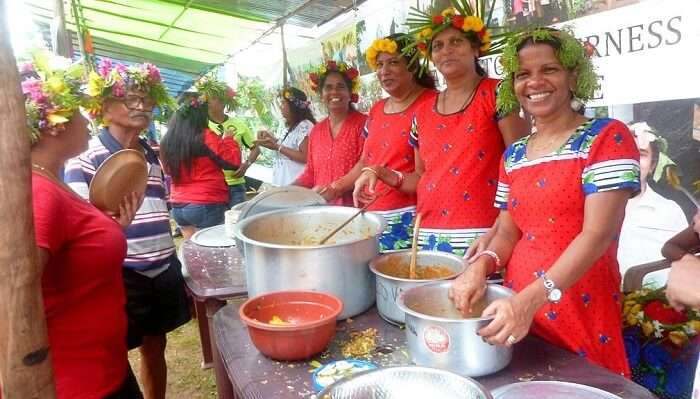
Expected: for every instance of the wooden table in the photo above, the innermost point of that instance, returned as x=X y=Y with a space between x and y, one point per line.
x=254 y=376
x=213 y=275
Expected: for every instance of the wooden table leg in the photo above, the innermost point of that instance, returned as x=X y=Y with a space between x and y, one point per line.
x=204 y=337
x=224 y=387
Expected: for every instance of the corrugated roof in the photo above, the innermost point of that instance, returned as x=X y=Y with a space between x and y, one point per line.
x=187 y=37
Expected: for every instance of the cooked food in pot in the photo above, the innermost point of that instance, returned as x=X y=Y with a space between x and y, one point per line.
x=445 y=309
x=401 y=268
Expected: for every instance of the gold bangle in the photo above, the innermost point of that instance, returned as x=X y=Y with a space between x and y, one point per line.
x=369 y=169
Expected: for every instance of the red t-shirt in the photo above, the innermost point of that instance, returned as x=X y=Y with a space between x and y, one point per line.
x=387 y=144
x=330 y=158
x=204 y=182
x=83 y=291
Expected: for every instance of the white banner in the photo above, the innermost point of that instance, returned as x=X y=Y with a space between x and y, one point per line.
x=648 y=51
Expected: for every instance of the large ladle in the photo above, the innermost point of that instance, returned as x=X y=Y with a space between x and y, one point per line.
x=345 y=223
x=414 y=249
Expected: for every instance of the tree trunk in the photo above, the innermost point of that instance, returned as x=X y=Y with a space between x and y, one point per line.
x=25 y=365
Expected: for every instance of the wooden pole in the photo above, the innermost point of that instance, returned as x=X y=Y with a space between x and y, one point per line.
x=285 y=64
x=25 y=364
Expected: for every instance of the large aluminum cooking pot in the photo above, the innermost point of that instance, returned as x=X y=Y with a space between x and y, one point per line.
x=438 y=336
x=276 y=260
x=389 y=287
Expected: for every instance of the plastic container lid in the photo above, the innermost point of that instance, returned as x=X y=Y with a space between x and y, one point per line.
x=280 y=198
x=550 y=390
x=337 y=370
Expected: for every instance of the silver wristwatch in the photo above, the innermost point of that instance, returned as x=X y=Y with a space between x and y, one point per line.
x=554 y=294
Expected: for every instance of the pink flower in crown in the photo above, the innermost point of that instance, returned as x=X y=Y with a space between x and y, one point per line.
x=118 y=90
x=121 y=69
x=33 y=88
x=153 y=73
x=104 y=68
x=230 y=93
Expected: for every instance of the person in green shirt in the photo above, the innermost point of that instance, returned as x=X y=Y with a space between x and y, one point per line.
x=221 y=98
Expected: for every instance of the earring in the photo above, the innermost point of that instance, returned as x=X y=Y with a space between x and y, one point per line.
x=576 y=104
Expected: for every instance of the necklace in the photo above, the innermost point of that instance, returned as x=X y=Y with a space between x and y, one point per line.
x=47 y=172
x=443 y=98
x=396 y=106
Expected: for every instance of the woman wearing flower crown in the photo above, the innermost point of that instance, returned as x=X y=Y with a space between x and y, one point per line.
x=293 y=147
x=335 y=143
x=458 y=136
x=83 y=298
x=387 y=152
x=562 y=192
x=195 y=157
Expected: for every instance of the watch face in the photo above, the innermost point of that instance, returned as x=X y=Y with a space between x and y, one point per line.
x=554 y=295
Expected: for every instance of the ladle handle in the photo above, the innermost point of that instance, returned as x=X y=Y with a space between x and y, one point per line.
x=414 y=248
x=345 y=223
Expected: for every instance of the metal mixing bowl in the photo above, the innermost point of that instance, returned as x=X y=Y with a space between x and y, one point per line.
x=273 y=263
x=438 y=335
x=405 y=382
x=389 y=288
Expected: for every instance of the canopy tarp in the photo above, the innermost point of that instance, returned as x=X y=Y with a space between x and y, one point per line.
x=188 y=37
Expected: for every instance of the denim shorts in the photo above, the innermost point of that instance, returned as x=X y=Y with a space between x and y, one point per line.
x=199 y=215
x=236 y=194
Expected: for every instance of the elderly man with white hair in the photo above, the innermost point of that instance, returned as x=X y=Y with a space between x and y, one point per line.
x=650 y=219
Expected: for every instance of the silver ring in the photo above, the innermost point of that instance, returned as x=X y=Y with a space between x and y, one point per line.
x=511 y=340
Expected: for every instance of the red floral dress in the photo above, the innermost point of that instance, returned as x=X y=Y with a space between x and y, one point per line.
x=545 y=197
x=387 y=144
x=330 y=158
x=461 y=153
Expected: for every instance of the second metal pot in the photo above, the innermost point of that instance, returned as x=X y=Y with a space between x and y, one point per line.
x=389 y=288
x=438 y=337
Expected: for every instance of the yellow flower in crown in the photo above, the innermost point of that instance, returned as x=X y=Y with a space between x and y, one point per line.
x=448 y=12
x=379 y=46
x=472 y=23
x=426 y=33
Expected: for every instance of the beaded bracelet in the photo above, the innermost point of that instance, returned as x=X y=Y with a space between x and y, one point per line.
x=400 y=177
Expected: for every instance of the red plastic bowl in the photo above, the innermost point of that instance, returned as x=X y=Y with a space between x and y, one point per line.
x=312 y=316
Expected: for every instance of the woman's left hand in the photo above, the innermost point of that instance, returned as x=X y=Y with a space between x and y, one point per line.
x=128 y=207
x=512 y=317
x=268 y=142
x=240 y=172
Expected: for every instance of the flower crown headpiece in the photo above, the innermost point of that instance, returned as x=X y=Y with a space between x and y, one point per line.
x=425 y=24
x=193 y=102
x=572 y=55
x=212 y=88
x=387 y=45
x=350 y=72
x=114 y=80
x=52 y=91
x=288 y=95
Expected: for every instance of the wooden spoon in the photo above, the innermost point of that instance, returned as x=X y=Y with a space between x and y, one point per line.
x=345 y=223
x=414 y=249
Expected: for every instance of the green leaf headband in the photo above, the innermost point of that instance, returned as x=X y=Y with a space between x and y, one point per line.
x=572 y=55
x=213 y=88
x=52 y=91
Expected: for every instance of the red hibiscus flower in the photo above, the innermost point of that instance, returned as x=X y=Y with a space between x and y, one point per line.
x=589 y=49
x=481 y=34
x=313 y=77
x=422 y=46
x=657 y=310
x=352 y=73
x=354 y=98
x=331 y=65
x=230 y=93
x=438 y=20
x=458 y=21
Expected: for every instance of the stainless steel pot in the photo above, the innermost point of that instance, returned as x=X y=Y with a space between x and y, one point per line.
x=437 y=336
x=389 y=288
x=274 y=262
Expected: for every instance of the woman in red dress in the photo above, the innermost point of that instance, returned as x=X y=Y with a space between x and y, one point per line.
x=335 y=143
x=387 y=151
x=458 y=139
x=81 y=250
x=562 y=192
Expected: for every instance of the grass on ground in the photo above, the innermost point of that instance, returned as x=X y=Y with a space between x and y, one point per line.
x=186 y=379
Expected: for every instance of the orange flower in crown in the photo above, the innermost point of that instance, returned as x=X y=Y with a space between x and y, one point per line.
x=425 y=24
x=319 y=74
